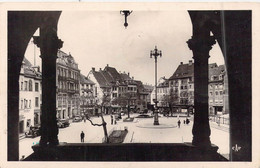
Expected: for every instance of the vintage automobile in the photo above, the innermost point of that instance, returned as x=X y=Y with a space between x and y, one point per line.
x=77 y=118
x=33 y=132
x=144 y=116
x=62 y=123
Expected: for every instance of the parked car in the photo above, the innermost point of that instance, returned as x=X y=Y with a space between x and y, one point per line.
x=33 y=132
x=77 y=118
x=62 y=123
x=118 y=116
x=144 y=116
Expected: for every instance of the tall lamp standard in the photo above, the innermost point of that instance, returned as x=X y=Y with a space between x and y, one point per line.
x=155 y=53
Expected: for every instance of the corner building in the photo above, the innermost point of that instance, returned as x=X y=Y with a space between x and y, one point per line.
x=68 y=90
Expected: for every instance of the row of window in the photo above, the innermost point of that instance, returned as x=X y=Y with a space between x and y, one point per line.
x=67 y=85
x=216 y=93
x=216 y=101
x=68 y=73
x=28 y=86
x=123 y=89
x=186 y=87
x=216 y=86
x=86 y=86
x=26 y=104
x=162 y=90
x=183 y=81
x=119 y=95
x=215 y=77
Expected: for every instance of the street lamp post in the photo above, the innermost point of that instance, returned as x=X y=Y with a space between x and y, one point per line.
x=155 y=53
x=125 y=13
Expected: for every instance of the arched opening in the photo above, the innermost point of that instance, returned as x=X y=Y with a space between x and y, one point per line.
x=14 y=110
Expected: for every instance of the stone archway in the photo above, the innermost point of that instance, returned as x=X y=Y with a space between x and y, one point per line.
x=235 y=41
x=21 y=27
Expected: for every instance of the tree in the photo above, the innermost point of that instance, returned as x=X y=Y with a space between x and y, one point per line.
x=171 y=99
x=124 y=101
x=103 y=101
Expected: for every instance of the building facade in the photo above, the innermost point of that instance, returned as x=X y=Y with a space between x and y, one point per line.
x=87 y=96
x=122 y=90
x=181 y=89
x=30 y=96
x=68 y=86
x=218 y=98
x=162 y=92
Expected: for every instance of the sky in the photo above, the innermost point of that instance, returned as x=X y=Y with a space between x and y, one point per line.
x=98 y=38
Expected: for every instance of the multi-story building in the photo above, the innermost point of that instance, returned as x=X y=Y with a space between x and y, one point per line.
x=68 y=91
x=102 y=90
x=87 y=95
x=217 y=89
x=149 y=90
x=121 y=88
x=182 y=84
x=142 y=96
x=29 y=95
x=181 y=87
x=162 y=91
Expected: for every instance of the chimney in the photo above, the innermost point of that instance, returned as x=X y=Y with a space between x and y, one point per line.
x=128 y=74
x=93 y=69
x=181 y=63
x=132 y=77
x=100 y=69
x=190 y=62
x=107 y=65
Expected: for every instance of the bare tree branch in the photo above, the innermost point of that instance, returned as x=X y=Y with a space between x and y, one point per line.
x=94 y=123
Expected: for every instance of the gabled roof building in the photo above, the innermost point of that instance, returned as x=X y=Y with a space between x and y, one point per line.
x=116 y=84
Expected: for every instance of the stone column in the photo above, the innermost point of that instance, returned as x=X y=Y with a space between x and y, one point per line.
x=201 y=45
x=49 y=45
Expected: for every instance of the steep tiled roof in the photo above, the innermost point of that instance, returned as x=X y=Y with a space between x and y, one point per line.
x=140 y=87
x=187 y=70
x=216 y=71
x=108 y=77
x=183 y=71
x=100 y=79
x=26 y=62
x=85 y=80
x=125 y=77
x=29 y=71
x=113 y=73
x=221 y=68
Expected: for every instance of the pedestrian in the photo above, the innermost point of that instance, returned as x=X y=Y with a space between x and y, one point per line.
x=111 y=119
x=179 y=123
x=114 y=117
x=84 y=119
x=187 y=121
x=184 y=121
x=82 y=136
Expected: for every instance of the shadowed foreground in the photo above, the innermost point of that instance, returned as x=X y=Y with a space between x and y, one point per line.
x=124 y=152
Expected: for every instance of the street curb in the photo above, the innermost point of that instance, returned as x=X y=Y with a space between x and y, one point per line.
x=21 y=137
